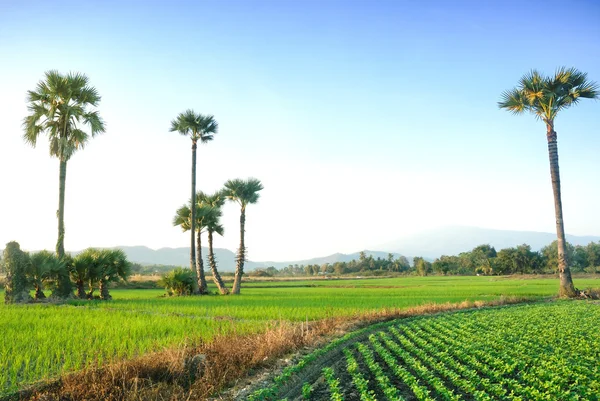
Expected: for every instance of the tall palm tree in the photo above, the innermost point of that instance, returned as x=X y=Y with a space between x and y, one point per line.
x=244 y=192
x=545 y=97
x=213 y=203
x=61 y=106
x=183 y=219
x=199 y=128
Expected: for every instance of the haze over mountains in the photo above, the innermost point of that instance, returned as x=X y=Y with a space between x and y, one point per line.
x=453 y=240
x=430 y=244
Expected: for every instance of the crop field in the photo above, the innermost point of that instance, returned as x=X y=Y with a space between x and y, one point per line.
x=543 y=351
x=43 y=341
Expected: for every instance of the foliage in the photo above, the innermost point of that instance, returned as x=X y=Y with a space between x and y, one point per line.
x=546 y=96
x=99 y=267
x=16 y=263
x=542 y=351
x=178 y=282
x=46 y=270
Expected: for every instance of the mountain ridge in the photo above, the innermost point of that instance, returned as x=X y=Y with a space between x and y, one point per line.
x=431 y=244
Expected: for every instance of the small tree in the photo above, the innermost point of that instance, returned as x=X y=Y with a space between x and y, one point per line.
x=83 y=270
x=113 y=267
x=15 y=265
x=46 y=270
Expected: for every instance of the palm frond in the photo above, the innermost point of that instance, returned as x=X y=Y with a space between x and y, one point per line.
x=546 y=96
x=243 y=192
x=59 y=107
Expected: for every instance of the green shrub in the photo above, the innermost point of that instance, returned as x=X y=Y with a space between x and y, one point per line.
x=178 y=282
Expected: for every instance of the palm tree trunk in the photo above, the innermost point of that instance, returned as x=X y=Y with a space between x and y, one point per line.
x=200 y=266
x=193 y=222
x=567 y=289
x=80 y=289
x=241 y=256
x=39 y=294
x=60 y=243
x=213 y=267
x=104 y=294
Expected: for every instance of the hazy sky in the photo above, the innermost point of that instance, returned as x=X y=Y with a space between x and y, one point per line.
x=365 y=120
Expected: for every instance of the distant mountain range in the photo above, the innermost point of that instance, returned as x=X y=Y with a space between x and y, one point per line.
x=453 y=240
x=225 y=258
x=430 y=244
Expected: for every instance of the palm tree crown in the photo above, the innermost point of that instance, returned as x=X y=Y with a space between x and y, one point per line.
x=60 y=106
x=195 y=125
x=546 y=96
x=244 y=192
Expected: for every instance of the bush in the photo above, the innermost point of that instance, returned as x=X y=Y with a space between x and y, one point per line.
x=178 y=282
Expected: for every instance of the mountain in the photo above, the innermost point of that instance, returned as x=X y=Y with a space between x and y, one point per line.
x=226 y=258
x=179 y=257
x=453 y=240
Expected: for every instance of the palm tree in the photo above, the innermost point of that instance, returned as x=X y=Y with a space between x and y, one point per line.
x=545 y=97
x=212 y=204
x=244 y=192
x=113 y=266
x=61 y=107
x=213 y=225
x=183 y=218
x=199 y=128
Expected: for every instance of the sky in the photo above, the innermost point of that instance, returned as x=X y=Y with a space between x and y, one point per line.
x=366 y=121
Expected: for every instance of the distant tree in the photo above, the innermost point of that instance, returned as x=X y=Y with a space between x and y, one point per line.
x=482 y=257
x=199 y=128
x=16 y=263
x=61 y=107
x=550 y=255
x=401 y=264
x=545 y=97
x=445 y=264
x=244 y=193
x=593 y=254
x=422 y=266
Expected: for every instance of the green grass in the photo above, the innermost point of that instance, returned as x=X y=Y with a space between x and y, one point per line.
x=43 y=341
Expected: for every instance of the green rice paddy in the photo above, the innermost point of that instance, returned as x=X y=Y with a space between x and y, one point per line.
x=42 y=341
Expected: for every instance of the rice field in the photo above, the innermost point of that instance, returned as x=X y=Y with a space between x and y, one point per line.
x=544 y=351
x=43 y=341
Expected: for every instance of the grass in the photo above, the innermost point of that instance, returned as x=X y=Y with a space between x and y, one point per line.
x=44 y=341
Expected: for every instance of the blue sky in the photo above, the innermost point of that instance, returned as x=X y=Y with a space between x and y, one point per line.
x=366 y=120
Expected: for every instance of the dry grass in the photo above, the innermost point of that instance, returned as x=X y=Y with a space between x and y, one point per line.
x=196 y=372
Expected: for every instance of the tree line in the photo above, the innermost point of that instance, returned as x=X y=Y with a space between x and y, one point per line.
x=65 y=277
x=483 y=259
